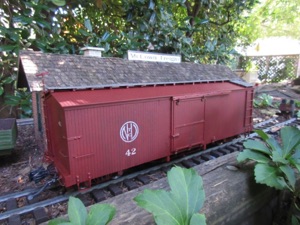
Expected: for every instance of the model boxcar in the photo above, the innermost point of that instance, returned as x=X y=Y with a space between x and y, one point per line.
x=106 y=128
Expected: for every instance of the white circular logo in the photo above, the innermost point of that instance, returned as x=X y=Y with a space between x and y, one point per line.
x=129 y=131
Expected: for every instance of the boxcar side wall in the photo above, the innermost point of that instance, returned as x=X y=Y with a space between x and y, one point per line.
x=108 y=138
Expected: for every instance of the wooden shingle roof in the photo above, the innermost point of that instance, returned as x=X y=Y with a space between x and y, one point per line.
x=83 y=72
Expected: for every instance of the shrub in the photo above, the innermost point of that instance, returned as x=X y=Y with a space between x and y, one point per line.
x=99 y=214
x=277 y=165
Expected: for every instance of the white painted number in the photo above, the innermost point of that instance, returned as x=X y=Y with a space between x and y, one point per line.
x=131 y=152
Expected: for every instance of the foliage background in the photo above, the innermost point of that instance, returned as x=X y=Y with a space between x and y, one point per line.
x=202 y=31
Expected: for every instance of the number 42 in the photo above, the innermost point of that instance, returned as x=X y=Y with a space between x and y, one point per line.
x=130 y=152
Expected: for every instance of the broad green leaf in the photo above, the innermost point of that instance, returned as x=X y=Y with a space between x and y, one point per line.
x=265 y=174
x=59 y=2
x=177 y=206
x=100 y=214
x=249 y=154
x=186 y=189
x=162 y=206
x=274 y=145
x=1 y=90
x=257 y=146
x=290 y=175
x=277 y=157
x=76 y=211
x=198 y=219
x=262 y=134
x=290 y=137
x=59 y=221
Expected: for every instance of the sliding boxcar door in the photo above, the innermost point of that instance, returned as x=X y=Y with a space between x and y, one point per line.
x=188 y=122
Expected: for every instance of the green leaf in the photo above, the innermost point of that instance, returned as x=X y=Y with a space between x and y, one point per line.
x=198 y=219
x=152 y=18
x=290 y=137
x=265 y=174
x=88 y=25
x=83 y=32
x=249 y=154
x=76 y=211
x=105 y=36
x=7 y=80
x=43 y=23
x=5 y=48
x=204 y=21
x=1 y=90
x=277 y=157
x=290 y=175
x=257 y=146
x=295 y=221
x=59 y=221
x=100 y=214
x=295 y=158
x=296 y=155
x=151 y=4
x=161 y=205
x=274 y=145
x=297 y=165
x=59 y=2
x=262 y=134
x=177 y=206
x=22 y=19
x=186 y=182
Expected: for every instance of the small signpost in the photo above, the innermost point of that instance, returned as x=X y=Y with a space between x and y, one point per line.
x=153 y=57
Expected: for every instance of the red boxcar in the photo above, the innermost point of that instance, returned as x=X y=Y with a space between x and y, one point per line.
x=92 y=133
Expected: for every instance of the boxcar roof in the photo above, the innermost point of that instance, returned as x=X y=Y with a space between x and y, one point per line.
x=87 y=97
x=85 y=72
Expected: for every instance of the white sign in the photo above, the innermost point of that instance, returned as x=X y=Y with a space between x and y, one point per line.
x=153 y=57
x=129 y=131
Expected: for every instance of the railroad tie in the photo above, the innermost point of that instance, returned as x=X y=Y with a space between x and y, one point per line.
x=40 y=215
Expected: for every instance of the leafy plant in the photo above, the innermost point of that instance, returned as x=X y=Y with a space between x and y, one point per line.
x=99 y=214
x=297 y=104
x=3 y=81
x=22 y=101
x=181 y=205
x=264 y=100
x=277 y=165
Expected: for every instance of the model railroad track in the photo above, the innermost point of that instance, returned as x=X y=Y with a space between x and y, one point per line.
x=14 y=214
